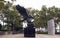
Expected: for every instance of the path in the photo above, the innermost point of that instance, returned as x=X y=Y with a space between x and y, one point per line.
x=37 y=36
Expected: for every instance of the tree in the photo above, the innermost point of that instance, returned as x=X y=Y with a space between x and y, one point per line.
x=32 y=12
x=1 y=0
x=42 y=16
x=1 y=14
x=12 y=15
x=1 y=5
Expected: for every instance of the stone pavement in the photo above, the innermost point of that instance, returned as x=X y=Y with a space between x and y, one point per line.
x=37 y=36
x=47 y=36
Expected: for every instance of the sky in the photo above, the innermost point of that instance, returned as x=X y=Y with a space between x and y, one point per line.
x=37 y=4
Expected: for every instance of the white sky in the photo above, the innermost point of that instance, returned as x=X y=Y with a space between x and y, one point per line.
x=37 y=4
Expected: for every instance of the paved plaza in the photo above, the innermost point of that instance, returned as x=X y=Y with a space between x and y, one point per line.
x=37 y=36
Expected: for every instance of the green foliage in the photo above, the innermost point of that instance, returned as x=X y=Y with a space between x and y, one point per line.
x=36 y=21
x=1 y=5
x=1 y=0
x=45 y=14
x=42 y=16
x=13 y=19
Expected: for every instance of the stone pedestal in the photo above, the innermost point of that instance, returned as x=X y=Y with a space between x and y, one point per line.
x=51 y=27
x=29 y=37
x=29 y=32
